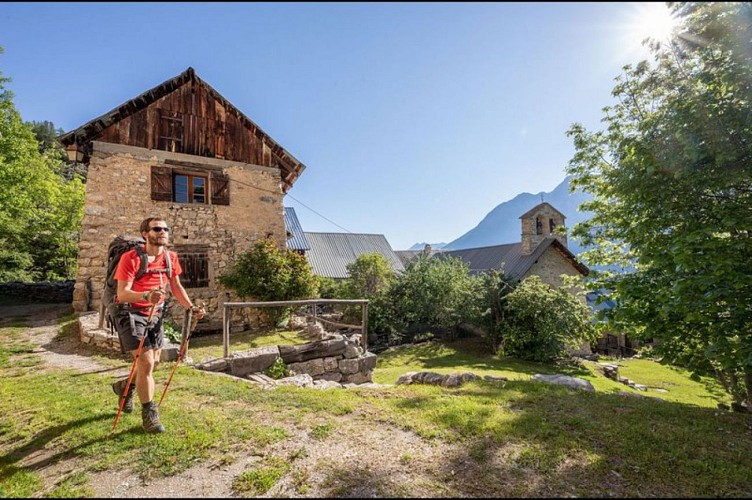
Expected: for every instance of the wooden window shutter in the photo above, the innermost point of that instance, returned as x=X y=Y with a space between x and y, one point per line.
x=161 y=183
x=220 y=188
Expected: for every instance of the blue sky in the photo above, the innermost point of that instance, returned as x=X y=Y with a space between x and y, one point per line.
x=414 y=120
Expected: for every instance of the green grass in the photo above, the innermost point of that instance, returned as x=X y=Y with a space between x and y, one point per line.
x=260 y=479
x=542 y=439
x=207 y=347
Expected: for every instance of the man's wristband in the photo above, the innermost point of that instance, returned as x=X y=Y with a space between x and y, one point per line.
x=146 y=294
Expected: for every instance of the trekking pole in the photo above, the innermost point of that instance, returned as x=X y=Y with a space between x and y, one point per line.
x=133 y=367
x=191 y=326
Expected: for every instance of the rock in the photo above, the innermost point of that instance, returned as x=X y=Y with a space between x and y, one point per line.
x=491 y=378
x=214 y=365
x=313 y=367
x=326 y=384
x=352 y=351
x=457 y=379
x=641 y=387
x=255 y=360
x=740 y=407
x=302 y=380
x=565 y=380
x=451 y=380
x=357 y=378
x=635 y=395
x=169 y=352
x=311 y=350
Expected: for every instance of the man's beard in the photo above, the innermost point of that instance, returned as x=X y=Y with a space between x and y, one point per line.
x=154 y=240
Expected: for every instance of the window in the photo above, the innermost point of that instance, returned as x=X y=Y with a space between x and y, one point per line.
x=189 y=188
x=538 y=226
x=194 y=259
x=170 y=137
x=551 y=226
x=183 y=184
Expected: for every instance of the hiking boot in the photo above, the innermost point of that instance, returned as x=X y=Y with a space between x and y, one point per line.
x=150 y=416
x=118 y=387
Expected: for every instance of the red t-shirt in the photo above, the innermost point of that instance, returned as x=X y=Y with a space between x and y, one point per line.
x=129 y=265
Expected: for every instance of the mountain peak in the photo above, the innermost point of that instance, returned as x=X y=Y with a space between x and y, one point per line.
x=502 y=224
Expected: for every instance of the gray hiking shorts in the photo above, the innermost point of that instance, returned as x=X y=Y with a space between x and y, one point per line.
x=131 y=328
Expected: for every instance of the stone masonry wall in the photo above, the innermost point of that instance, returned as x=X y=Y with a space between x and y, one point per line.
x=47 y=291
x=550 y=266
x=531 y=240
x=118 y=198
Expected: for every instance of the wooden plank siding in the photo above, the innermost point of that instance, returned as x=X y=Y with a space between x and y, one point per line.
x=209 y=128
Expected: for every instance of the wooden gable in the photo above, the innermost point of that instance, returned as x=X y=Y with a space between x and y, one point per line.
x=186 y=115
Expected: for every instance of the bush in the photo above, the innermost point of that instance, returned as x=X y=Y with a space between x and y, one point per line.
x=542 y=321
x=266 y=273
x=494 y=319
x=277 y=370
x=171 y=333
x=434 y=292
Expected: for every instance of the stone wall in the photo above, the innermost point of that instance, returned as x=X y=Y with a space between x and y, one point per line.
x=118 y=198
x=550 y=266
x=336 y=359
x=47 y=291
x=530 y=238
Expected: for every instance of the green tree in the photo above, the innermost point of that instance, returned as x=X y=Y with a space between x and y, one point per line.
x=435 y=292
x=40 y=213
x=266 y=273
x=541 y=322
x=671 y=177
x=495 y=288
x=370 y=275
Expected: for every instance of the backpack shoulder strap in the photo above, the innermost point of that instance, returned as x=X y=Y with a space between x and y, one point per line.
x=144 y=262
x=168 y=264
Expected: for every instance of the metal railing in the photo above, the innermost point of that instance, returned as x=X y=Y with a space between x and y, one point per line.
x=227 y=308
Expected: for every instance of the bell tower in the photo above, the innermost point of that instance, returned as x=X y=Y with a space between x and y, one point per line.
x=539 y=223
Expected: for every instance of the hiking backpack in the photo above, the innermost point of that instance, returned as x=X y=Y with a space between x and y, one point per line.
x=115 y=250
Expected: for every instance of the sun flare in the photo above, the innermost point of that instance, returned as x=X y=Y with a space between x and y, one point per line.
x=652 y=20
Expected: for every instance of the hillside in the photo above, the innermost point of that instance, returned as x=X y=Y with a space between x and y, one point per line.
x=502 y=224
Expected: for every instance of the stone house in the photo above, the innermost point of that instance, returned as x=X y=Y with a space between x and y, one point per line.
x=183 y=152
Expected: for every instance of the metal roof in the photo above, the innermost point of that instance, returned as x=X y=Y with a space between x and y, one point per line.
x=515 y=265
x=330 y=253
x=298 y=239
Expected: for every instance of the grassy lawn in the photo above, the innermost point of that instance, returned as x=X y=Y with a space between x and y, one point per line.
x=539 y=438
x=207 y=347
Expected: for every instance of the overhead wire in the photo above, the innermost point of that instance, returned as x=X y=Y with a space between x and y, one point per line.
x=297 y=200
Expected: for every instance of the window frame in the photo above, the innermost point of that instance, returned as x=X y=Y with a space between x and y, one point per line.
x=191 y=194
x=170 y=132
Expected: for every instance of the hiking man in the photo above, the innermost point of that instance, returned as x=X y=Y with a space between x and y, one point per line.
x=135 y=297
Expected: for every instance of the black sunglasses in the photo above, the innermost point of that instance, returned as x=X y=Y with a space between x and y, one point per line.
x=159 y=229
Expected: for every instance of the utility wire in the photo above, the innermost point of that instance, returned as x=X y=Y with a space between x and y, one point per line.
x=297 y=200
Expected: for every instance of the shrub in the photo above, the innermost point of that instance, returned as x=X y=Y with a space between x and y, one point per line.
x=495 y=291
x=542 y=321
x=434 y=292
x=370 y=275
x=266 y=273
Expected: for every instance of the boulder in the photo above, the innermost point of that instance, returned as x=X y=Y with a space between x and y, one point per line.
x=565 y=380
x=255 y=360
